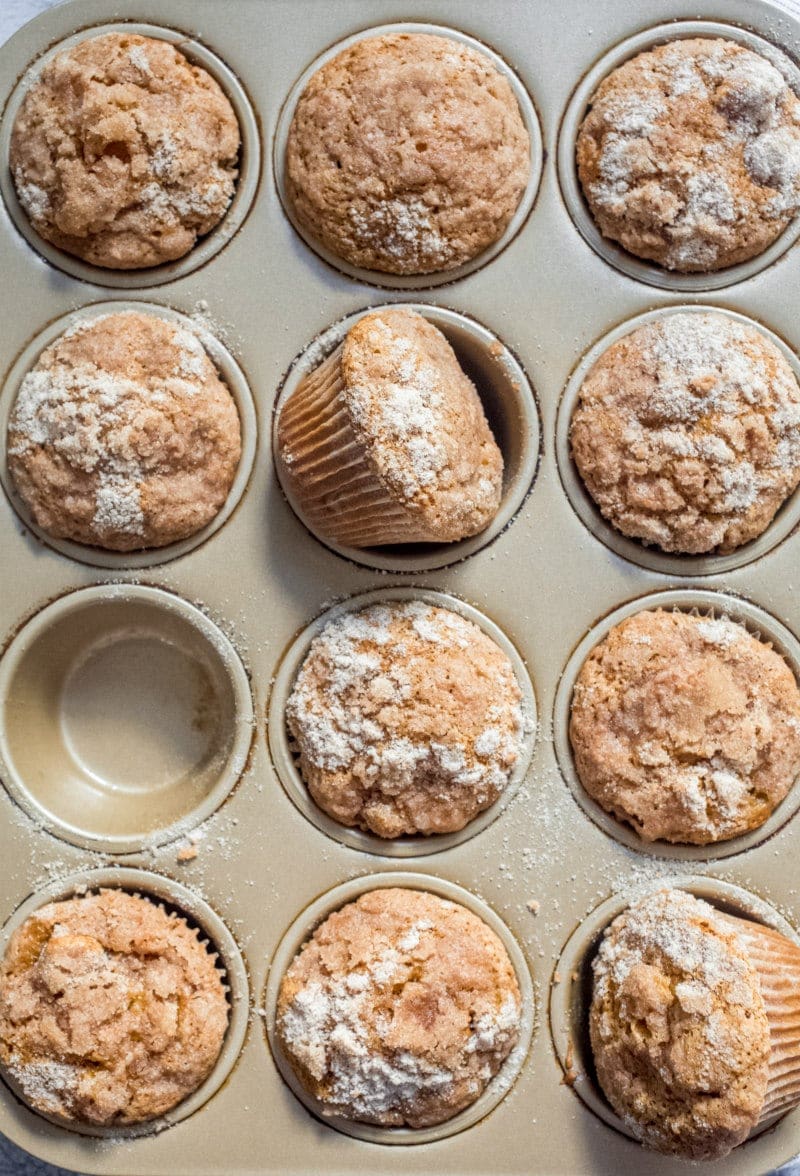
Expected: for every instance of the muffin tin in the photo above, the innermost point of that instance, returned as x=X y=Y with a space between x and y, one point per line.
x=261 y=869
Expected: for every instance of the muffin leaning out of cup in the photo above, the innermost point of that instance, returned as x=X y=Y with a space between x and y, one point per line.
x=386 y=442
x=695 y=1024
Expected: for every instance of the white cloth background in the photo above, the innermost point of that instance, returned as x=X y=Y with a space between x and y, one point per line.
x=13 y=1162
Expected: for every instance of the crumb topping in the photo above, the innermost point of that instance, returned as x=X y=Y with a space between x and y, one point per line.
x=687 y=728
x=687 y=433
x=123 y=153
x=679 y=1032
x=399 y=1010
x=123 y=435
x=407 y=718
x=690 y=154
x=407 y=154
x=111 y=1010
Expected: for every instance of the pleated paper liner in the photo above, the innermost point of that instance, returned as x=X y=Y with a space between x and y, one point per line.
x=328 y=470
x=776 y=959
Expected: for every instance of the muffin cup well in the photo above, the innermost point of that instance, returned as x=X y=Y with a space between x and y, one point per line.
x=572 y=193
x=508 y=401
x=782 y=525
x=125 y=717
x=571 y=985
x=699 y=602
x=412 y=281
x=286 y=762
x=208 y=246
x=301 y=930
x=229 y=372
x=211 y=929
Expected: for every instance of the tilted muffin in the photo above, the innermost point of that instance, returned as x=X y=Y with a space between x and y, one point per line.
x=687 y=433
x=123 y=153
x=399 y=1010
x=695 y=1024
x=686 y=727
x=387 y=441
x=689 y=155
x=407 y=718
x=123 y=435
x=407 y=154
x=111 y=1010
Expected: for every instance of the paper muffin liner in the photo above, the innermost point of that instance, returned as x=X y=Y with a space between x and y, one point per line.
x=776 y=959
x=327 y=468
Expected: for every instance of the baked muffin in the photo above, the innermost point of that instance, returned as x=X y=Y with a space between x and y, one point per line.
x=111 y=1010
x=407 y=719
x=123 y=153
x=407 y=154
x=687 y=433
x=695 y=1024
x=686 y=727
x=123 y=435
x=399 y=1010
x=387 y=442
x=689 y=155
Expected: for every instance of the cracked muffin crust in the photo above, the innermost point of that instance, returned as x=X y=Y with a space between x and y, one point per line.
x=686 y=727
x=407 y=718
x=679 y=1030
x=407 y=154
x=123 y=435
x=687 y=433
x=111 y=1010
x=123 y=153
x=399 y=1010
x=387 y=441
x=689 y=155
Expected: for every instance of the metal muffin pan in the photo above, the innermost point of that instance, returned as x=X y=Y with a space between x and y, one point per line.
x=261 y=866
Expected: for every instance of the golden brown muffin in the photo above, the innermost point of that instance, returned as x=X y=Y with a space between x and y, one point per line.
x=695 y=1024
x=123 y=153
x=687 y=433
x=399 y=1010
x=123 y=435
x=407 y=718
x=686 y=727
x=689 y=155
x=387 y=442
x=407 y=154
x=111 y=1010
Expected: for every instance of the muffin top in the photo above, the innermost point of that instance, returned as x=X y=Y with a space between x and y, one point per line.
x=407 y=718
x=399 y=1010
x=421 y=422
x=407 y=154
x=111 y=1010
x=679 y=1031
x=689 y=155
x=686 y=727
x=687 y=433
x=123 y=153
x=123 y=435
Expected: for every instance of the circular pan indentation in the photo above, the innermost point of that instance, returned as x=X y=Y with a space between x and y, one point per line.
x=671 y=564
x=412 y=281
x=207 y=246
x=174 y=897
x=699 y=602
x=125 y=717
x=286 y=763
x=508 y=402
x=620 y=259
x=229 y=372
x=571 y=995
x=301 y=930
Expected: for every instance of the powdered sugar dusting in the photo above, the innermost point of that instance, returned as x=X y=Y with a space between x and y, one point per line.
x=400 y=228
